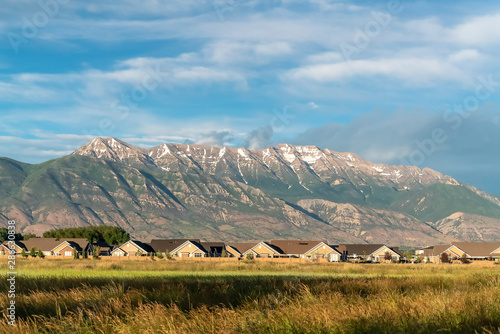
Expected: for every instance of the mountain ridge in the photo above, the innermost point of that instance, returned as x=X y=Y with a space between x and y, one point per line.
x=181 y=190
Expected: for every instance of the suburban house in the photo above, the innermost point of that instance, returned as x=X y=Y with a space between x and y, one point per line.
x=67 y=246
x=253 y=249
x=214 y=249
x=306 y=249
x=179 y=247
x=105 y=249
x=132 y=248
x=368 y=252
x=456 y=250
x=46 y=245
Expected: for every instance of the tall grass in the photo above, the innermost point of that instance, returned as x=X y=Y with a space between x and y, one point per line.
x=425 y=299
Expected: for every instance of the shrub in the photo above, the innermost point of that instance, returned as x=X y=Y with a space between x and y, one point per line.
x=40 y=254
x=444 y=258
x=249 y=256
x=168 y=256
x=96 y=252
x=159 y=255
x=464 y=259
x=138 y=253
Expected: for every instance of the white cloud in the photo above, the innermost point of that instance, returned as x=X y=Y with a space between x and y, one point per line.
x=410 y=70
x=482 y=30
x=464 y=55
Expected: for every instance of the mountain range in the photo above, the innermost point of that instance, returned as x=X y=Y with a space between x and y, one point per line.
x=234 y=194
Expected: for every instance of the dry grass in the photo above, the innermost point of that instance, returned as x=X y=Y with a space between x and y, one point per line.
x=253 y=298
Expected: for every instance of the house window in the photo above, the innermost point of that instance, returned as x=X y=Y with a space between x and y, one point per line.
x=68 y=253
x=198 y=255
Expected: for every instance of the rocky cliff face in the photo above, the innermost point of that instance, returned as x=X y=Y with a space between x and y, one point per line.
x=176 y=190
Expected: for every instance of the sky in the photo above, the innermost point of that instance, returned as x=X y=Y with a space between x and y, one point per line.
x=396 y=82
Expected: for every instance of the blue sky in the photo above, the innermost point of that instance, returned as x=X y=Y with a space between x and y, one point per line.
x=408 y=82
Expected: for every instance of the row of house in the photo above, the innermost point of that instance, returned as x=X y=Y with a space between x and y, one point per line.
x=458 y=250
x=57 y=247
x=194 y=248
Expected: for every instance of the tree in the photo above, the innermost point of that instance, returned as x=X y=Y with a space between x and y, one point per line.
x=96 y=252
x=75 y=254
x=444 y=258
x=23 y=254
x=40 y=254
x=388 y=256
x=249 y=256
x=84 y=254
x=138 y=253
x=33 y=252
x=223 y=253
x=464 y=259
x=168 y=256
x=159 y=255
x=112 y=235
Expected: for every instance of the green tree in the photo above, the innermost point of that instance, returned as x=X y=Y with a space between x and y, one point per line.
x=159 y=255
x=40 y=254
x=96 y=252
x=33 y=252
x=249 y=256
x=23 y=254
x=223 y=253
x=138 y=253
x=75 y=254
x=112 y=235
x=168 y=256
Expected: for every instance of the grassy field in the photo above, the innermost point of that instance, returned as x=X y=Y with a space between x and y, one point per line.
x=65 y=296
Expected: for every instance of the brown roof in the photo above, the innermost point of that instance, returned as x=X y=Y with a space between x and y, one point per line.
x=359 y=249
x=294 y=247
x=477 y=249
x=242 y=247
x=161 y=245
x=78 y=243
x=43 y=244
x=435 y=250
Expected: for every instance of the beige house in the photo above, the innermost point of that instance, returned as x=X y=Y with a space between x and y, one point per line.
x=368 y=252
x=253 y=249
x=189 y=248
x=132 y=248
x=306 y=249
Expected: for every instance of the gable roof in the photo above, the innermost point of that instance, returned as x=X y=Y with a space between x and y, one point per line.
x=143 y=246
x=435 y=250
x=295 y=247
x=79 y=244
x=43 y=244
x=161 y=245
x=266 y=245
x=477 y=249
x=213 y=247
x=360 y=249
x=195 y=243
x=242 y=247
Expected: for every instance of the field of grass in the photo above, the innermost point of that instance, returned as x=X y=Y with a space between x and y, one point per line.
x=66 y=296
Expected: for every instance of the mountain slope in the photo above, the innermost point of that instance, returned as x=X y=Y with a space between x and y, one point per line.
x=175 y=190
